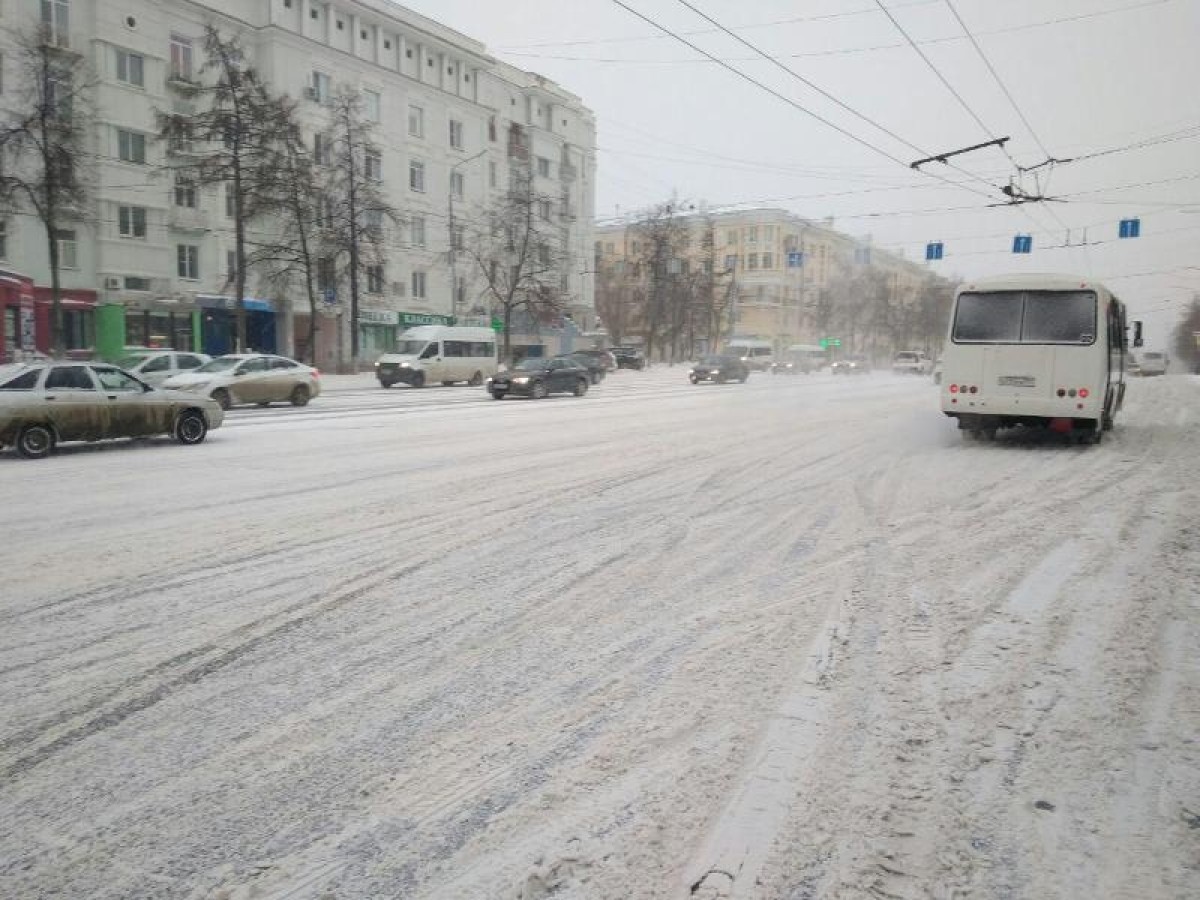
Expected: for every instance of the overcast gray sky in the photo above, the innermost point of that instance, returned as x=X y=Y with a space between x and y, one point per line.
x=1085 y=75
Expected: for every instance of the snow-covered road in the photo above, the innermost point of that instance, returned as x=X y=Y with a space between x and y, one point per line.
x=792 y=639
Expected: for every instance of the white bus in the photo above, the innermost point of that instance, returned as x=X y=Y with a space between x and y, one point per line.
x=758 y=355
x=444 y=353
x=1035 y=350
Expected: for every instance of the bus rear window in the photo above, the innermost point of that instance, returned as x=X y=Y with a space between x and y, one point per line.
x=1026 y=317
x=993 y=318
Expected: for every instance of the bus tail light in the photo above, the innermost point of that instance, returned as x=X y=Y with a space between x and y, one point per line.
x=954 y=388
x=1083 y=392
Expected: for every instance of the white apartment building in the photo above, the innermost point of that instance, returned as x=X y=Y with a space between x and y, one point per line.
x=153 y=264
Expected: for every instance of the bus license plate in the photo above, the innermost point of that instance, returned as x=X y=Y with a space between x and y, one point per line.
x=1025 y=381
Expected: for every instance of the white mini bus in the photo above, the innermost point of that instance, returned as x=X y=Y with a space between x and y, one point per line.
x=1035 y=350
x=758 y=355
x=430 y=353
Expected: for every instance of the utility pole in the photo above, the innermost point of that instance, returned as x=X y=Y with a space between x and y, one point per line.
x=453 y=242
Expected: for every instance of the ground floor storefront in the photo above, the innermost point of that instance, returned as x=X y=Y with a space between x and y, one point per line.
x=27 y=315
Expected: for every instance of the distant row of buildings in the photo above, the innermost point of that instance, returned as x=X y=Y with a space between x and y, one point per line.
x=765 y=274
x=151 y=264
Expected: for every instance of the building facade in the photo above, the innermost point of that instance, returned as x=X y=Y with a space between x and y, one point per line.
x=775 y=276
x=153 y=264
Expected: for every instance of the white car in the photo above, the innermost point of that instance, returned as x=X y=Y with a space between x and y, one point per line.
x=156 y=366
x=1153 y=363
x=251 y=378
x=912 y=362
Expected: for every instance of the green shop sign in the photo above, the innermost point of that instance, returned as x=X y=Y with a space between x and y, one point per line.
x=408 y=320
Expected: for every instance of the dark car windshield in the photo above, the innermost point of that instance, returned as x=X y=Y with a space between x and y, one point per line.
x=1026 y=317
x=715 y=361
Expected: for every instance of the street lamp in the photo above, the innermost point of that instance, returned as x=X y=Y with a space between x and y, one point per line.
x=453 y=240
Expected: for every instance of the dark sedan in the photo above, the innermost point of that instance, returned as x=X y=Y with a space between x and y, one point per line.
x=719 y=369
x=537 y=378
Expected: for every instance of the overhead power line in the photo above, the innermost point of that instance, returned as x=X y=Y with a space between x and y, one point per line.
x=788 y=100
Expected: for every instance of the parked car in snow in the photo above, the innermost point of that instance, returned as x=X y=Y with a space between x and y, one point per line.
x=604 y=357
x=537 y=377
x=629 y=358
x=46 y=404
x=937 y=371
x=250 y=378
x=719 y=369
x=911 y=362
x=855 y=364
x=155 y=366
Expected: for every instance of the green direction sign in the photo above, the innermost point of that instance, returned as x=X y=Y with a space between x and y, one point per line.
x=497 y=324
x=826 y=343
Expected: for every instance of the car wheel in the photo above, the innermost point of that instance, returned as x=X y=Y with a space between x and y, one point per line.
x=693 y=379
x=385 y=384
x=538 y=390
x=447 y=384
x=299 y=395
x=581 y=387
x=264 y=403
x=497 y=395
x=35 y=441
x=191 y=427
x=476 y=380
x=418 y=380
x=222 y=397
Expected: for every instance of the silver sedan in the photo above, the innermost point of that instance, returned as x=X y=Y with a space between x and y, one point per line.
x=44 y=404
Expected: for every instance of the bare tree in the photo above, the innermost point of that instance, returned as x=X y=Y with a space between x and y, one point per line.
x=291 y=252
x=517 y=249
x=234 y=141
x=44 y=139
x=358 y=211
x=662 y=237
x=1187 y=336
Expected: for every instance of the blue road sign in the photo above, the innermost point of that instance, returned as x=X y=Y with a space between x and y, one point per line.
x=329 y=295
x=933 y=250
x=1023 y=243
x=1130 y=228
x=795 y=259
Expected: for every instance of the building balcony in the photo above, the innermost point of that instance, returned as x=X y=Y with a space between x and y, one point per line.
x=567 y=172
x=182 y=84
x=186 y=218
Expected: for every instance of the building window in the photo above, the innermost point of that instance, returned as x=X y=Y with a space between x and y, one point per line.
x=373 y=164
x=230 y=204
x=417 y=231
x=543 y=167
x=492 y=129
x=456 y=134
x=230 y=266
x=326 y=274
x=321 y=87
x=131 y=146
x=457 y=184
x=375 y=279
x=491 y=173
x=371 y=105
x=132 y=221
x=181 y=57
x=543 y=207
x=322 y=151
x=768 y=260
x=136 y=283
x=3 y=239
x=456 y=238
x=185 y=194
x=416 y=121
x=68 y=249
x=56 y=16
x=188 y=261
x=373 y=222
x=752 y=235
x=131 y=68
x=416 y=176
x=418 y=285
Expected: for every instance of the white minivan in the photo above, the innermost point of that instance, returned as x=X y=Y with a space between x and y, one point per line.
x=431 y=353
x=758 y=355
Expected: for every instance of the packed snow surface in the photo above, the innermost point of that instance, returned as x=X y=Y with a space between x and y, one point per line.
x=788 y=639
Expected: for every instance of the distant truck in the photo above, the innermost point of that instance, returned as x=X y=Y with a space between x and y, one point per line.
x=1153 y=363
x=758 y=355
x=912 y=362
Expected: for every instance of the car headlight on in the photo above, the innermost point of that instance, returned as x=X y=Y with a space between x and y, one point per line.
x=405 y=365
x=521 y=379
